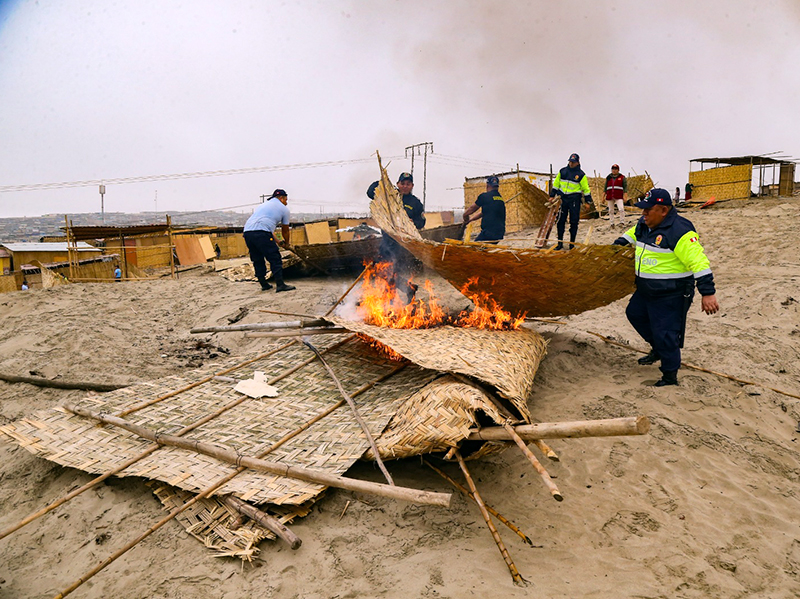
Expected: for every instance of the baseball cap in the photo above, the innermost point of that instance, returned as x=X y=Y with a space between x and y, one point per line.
x=615 y=166
x=405 y=177
x=493 y=180
x=574 y=158
x=655 y=197
x=279 y=192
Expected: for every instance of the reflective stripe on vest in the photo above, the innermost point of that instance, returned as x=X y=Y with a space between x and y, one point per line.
x=652 y=262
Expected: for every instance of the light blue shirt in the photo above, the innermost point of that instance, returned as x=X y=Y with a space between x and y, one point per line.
x=267 y=216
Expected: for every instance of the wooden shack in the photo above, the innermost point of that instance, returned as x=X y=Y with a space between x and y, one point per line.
x=736 y=177
x=26 y=253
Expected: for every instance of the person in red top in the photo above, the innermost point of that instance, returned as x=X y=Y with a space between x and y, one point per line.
x=616 y=193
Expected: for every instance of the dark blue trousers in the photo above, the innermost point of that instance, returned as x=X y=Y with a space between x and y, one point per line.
x=571 y=207
x=660 y=320
x=263 y=247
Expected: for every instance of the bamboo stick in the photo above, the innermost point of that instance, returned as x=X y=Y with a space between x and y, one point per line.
x=518 y=579
x=492 y=511
x=535 y=462
x=286 y=314
x=352 y=405
x=295 y=332
x=63 y=385
x=569 y=429
x=230 y=455
x=696 y=368
x=266 y=521
x=303 y=323
x=343 y=296
x=546 y=450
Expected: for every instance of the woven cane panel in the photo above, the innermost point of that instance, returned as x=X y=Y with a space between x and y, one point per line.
x=210 y=521
x=540 y=283
x=332 y=444
x=434 y=419
x=507 y=360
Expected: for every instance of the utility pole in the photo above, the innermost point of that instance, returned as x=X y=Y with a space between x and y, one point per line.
x=263 y=197
x=156 y=200
x=102 y=203
x=422 y=150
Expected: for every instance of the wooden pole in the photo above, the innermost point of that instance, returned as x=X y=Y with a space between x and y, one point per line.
x=535 y=462
x=546 y=450
x=492 y=511
x=289 y=314
x=63 y=385
x=264 y=326
x=171 y=247
x=569 y=429
x=353 y=408
x=268 y=522
x=295 y=332
x=696 y=368
x=231 y=455
x=343 y=296
x=518 y=579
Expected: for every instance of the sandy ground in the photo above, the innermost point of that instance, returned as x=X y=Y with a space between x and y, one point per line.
x=705 y=505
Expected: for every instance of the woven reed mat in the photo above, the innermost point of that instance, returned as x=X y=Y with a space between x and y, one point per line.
x=332 y=444
x=507 y=360
x=540 y=283
x=210 y=521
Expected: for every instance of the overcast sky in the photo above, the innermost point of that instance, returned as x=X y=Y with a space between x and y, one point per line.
x=103 y=90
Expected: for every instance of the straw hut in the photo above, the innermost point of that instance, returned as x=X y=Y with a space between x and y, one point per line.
x=733 y=177
x=26 y=253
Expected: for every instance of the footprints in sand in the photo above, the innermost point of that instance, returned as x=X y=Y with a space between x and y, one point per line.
x=618 y=457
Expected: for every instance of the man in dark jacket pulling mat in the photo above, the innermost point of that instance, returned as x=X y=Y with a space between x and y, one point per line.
x=669 y=262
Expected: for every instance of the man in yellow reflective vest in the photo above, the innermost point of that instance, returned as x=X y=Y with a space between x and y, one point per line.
x=572 y=186
x=669 y=262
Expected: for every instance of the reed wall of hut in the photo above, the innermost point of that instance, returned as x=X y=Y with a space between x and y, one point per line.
x=231 y=245
x=722 y=183
x=146 y=252
x=11 y=282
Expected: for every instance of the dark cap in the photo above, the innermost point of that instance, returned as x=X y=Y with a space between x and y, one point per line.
x=279 y=192
x=655 y=197
x=574 y=158
x=615 y=166
x=405 y=177
x=493 y=180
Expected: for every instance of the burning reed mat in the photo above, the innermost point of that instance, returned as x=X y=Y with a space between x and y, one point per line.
x=538 y=282
x=409 y=409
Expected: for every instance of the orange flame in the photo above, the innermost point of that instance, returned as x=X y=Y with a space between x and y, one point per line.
x=386 y=304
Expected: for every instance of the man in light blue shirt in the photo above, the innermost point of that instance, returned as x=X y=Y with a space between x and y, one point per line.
x=260 y=239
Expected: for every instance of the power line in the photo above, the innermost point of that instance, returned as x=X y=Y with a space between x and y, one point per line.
x=145 y=178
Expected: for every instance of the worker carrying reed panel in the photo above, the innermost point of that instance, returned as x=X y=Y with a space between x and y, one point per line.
x=403 y=262
x=572 y=186
x=492 y=213
x=259 y=235
x=669 y=261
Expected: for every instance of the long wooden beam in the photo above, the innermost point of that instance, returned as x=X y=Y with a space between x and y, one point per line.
x=568 y=429
x=230 y=455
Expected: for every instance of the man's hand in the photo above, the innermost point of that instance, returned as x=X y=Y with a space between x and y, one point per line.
x=709 y=304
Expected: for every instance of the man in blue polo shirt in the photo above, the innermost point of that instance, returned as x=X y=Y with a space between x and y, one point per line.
x=260 y=239
x=492 y=215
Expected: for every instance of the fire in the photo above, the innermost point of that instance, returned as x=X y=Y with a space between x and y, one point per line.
x=386 y=304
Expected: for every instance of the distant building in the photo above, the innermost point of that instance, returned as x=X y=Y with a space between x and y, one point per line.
x=24 y=253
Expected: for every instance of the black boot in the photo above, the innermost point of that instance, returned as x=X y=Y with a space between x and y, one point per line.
x=265 y=285
x=651 y=358
x=559 y=246
x=282 y=287
x=667 y=378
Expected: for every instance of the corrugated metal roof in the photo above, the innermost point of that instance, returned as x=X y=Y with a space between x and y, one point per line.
x=46 y=247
